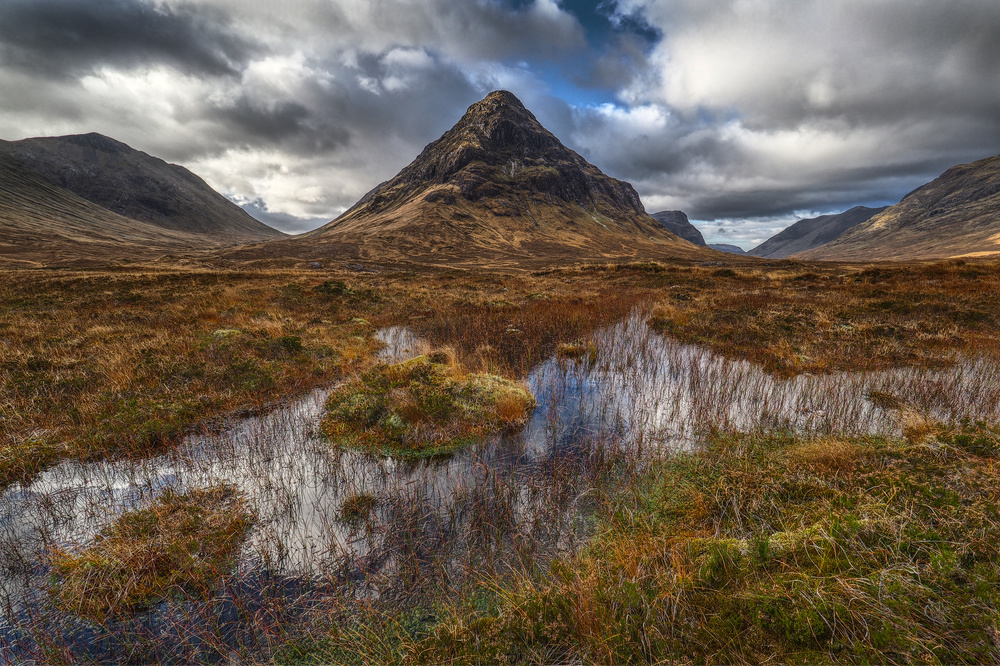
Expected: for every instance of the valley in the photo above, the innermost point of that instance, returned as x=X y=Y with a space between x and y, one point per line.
x=492 y=413
x=104 y=411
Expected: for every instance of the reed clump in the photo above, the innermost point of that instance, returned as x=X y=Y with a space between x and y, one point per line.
x=183 y=544
x=585 y=352
x=425 y=406
x=764 y=548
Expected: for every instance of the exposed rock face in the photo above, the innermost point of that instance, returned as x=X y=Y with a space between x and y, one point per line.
x=807 y=234
x=677 y=223
x=499 y=182
x=137 y=186
x=956 y=215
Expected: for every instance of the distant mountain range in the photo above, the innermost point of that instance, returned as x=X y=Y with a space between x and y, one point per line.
x=813 y=232
x=956 y=215
x=677 y=223
x=499 y=185
x=726 y=247
x=93 y=197
x=496 y=188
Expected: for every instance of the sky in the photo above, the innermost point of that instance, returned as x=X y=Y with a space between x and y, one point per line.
x=745 y=114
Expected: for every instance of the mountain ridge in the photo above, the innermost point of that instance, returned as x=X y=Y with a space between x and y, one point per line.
x=955 y=215
x=138 y=186
x=498 y=183
x=812 y=232
x=677 y=223
x=45 y=224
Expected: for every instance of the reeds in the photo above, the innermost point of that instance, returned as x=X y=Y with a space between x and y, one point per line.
x=661 y=501
x=184 y=543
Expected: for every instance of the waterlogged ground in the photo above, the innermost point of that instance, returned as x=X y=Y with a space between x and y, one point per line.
x=334 y=524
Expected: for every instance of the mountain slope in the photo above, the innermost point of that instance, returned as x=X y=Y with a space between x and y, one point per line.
x=677 y=223
x=956 y=215
x=138 y=186
x=813 y=232
x=42 y=223
x=726 y=247
x=499 y=184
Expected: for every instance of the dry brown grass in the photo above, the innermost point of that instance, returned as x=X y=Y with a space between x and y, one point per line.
x=832 y=457
x=121 y=362
x=183 y=543
x=794 y=318
x=118 y=362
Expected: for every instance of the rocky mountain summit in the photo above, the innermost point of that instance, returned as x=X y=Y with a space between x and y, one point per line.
x=499 y=182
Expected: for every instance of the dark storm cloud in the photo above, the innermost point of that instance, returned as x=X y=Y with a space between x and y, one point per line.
x=288 y=124
x=468 y=29
x=617 y=66
x=327 y=104
x=64 y=38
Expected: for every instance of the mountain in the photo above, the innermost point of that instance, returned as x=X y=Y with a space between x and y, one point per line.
x=956 y=215
x=43 y=224
x=137 y=186
x=725 y=247
x=813 y=232
x=495 y=185
x=676 y=222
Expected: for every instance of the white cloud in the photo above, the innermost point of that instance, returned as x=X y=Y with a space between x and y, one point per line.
x=744 y=110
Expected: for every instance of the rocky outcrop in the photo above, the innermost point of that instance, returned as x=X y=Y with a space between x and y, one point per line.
x=676 y=222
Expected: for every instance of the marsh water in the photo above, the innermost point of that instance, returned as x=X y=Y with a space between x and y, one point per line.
x=509 y=501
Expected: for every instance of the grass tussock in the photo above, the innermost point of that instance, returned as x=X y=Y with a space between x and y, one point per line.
x=425 y=406
x=181 y=545
x=759 y=548
x=585 y=352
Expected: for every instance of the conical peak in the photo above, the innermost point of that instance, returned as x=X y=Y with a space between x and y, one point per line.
x=498 y=101
x=500 y=123
x=500 y=160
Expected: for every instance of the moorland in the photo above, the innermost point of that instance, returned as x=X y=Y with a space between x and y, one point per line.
x=771 y=543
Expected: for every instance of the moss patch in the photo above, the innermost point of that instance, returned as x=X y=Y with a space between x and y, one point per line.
x=424 y=406
x=183 y=543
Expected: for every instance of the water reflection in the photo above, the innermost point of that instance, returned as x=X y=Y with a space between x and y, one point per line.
x=515 y=494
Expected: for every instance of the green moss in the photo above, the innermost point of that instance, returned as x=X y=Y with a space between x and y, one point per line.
x=719 y=556
x=184 y=543
x=424 y=406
